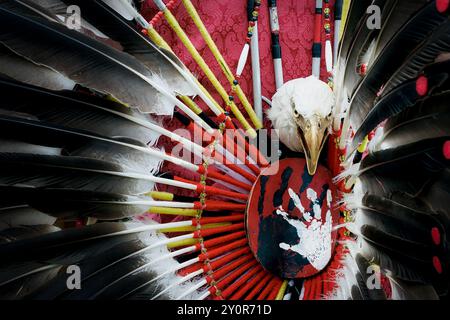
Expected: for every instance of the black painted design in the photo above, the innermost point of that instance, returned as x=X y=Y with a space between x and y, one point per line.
x=274 y=230
x=306 y=180
x=278 y=195
x=321 y=198
x=262 y=194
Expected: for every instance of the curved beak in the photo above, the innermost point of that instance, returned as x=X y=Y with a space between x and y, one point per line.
x=313 y=141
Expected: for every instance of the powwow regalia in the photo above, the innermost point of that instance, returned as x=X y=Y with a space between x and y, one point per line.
x=136 y=150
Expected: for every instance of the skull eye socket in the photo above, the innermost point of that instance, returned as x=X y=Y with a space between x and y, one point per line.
x=296 y=114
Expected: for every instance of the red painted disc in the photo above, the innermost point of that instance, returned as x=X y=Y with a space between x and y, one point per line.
x=290 y=218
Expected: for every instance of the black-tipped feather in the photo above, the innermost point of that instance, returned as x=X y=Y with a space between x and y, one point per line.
x=428 y=51
x=401 y=12
x=24 y=232
x=398 y=266
x=431 y=149
x=361 y=42
x=404 y=96
x=399 y=220
x=82 y=59
x=42 y=171
x=404 y=290
x=23 y=215
x=409 y=168
x=97 y=256
x=71 y=203
x=125 y=152
x=429 y=119
x=354 y=19
x=57 y=243
x=407 y=39
x=433 y=196
x=157 y=59
x=365 y=271
x=89 y=255
x=78 y=110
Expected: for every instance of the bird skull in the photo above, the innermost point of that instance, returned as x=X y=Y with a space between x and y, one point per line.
x=313 y=133
x=301 y=112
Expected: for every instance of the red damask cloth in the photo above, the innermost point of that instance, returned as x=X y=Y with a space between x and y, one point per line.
x=226 y=21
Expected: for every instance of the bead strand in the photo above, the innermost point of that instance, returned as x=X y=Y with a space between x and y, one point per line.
x=157 y=18
x=252 y=23
x=327 y=28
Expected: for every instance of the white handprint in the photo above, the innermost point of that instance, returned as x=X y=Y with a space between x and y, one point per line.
x=315 y=236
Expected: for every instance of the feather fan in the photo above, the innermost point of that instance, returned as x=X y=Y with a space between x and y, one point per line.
x=82 y=59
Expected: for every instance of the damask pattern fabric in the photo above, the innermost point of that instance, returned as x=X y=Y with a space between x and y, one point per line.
x=226 y=20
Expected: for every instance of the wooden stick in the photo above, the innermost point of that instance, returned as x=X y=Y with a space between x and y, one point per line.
x=276 y=48
x=317 y=45
x=201 y=62
x=225 y=68
x=282 y=290
x=249 y=285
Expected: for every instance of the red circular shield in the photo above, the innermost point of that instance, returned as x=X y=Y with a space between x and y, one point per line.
x=290 y=219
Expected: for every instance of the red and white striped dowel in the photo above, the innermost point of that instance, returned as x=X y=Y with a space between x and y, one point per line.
x=317 y=44
x=214 y=265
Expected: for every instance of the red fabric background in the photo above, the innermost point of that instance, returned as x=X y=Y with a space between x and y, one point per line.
x=226 y=20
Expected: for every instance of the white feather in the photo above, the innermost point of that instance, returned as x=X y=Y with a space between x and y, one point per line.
x=242 y=60
x=123 y=7
x=167 y=264
x=353 y=200
x=350 y=172
x=375 y=143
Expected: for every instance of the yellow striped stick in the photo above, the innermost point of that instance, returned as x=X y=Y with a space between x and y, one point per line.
x=160 y=42
x=223 y=64
x=193 y=228
x=159 y=195
x=203 y=65
x=183 y=243
x=175 y=211
x=191 y=104
x=282 y=290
